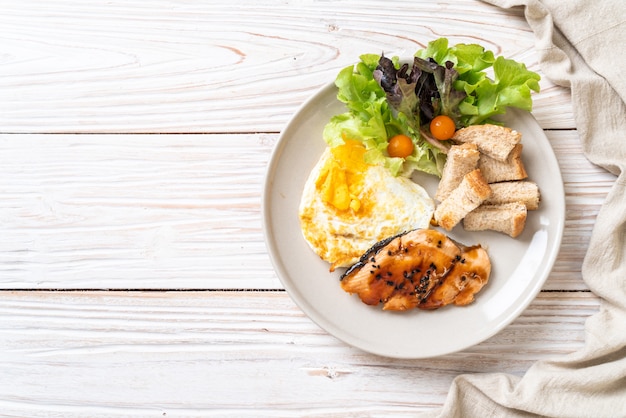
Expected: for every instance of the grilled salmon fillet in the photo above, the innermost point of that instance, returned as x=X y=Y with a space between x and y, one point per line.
x=422 y=269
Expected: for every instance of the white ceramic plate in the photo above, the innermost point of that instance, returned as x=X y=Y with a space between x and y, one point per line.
x=519 y=266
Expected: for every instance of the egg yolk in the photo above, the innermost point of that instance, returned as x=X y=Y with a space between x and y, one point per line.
x=341 y=178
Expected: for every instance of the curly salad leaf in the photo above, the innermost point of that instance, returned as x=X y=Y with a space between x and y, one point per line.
x=385 y=98
x=371 y=120
x=485 y=97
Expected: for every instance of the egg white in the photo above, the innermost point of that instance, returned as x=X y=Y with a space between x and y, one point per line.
x=394 y=205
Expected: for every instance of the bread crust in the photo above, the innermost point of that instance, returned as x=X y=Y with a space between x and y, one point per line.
x=461 y=160
x=508 y=218
x=512 y=168
x=492 y=193
x=471 y=192
x=493 y=140
x=524 y=191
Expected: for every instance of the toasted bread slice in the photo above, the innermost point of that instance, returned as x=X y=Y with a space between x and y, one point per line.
x=461 y=160
x=493 y=140
x=508 y=218
x=523 y=191
x=511 y=169
x=470 y=193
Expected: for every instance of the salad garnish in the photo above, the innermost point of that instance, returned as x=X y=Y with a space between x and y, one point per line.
x=385 y=98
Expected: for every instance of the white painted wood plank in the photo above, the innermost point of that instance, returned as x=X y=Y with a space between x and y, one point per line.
x=181 y=211
x=171 y=354
x=180 y=66
x=133 y=211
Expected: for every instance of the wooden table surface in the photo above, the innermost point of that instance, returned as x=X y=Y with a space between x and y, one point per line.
x=133 y=148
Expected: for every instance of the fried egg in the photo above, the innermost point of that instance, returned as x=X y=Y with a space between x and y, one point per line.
x=347 y=205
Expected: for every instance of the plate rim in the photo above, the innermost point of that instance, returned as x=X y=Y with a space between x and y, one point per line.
x=327 y=325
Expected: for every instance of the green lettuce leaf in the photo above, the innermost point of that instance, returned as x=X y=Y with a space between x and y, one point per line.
x=372 y=121
x=511 y=85
x=384 y=98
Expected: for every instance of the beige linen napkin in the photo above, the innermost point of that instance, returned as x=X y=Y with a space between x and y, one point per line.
x=581 y=44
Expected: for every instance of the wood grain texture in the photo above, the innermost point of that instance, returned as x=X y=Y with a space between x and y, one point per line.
x=216 y=67
x=134 y=140
x=230 y=353
x=182 y=211
x=133 y=211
